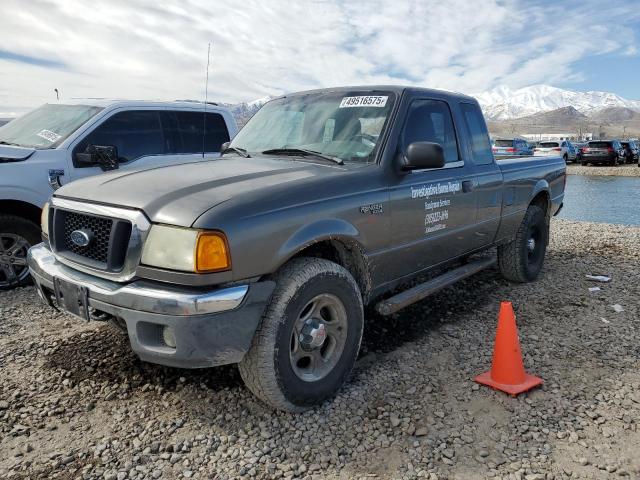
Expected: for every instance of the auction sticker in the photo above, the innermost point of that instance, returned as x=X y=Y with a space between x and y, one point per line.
x=49 y=135
x=364 y=101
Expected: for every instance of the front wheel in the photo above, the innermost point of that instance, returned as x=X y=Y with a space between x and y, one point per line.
x=17 y=235
x=521 y=259
x=309 y=336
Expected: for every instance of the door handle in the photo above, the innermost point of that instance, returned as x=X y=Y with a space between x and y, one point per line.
x=467 y=186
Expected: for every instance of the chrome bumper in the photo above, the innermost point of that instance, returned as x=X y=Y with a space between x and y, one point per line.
x=141 y=295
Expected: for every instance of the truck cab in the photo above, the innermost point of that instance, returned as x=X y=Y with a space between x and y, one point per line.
x=58 y=143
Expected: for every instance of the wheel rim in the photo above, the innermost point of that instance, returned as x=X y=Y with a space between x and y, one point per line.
x=318 y=337
x=13 y=259
x=534 y=245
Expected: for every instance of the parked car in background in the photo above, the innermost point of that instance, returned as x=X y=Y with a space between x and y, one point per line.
x=631 y=151
x=58 y=143
x=602 y=152
x=562 y=148
x=511 y=146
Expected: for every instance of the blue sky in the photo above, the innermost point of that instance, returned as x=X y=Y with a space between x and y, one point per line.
x=146 y=49
x=597 y=74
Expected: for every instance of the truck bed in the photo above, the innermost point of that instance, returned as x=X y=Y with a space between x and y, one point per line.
x=524 y=178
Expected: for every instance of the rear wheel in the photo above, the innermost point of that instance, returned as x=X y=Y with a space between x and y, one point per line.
x=17 y=235
x=309 y=336
x=521 y=259
x=565 y=157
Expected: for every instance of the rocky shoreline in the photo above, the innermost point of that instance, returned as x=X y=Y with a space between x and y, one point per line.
x=76 y=403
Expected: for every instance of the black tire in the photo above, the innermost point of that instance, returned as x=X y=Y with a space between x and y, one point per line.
x=269 y=369
x=565 y=157
x=16 y=232
x=584 y=164
x=518 y=260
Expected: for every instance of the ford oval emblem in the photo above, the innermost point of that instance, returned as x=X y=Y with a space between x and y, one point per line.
x=82 y=238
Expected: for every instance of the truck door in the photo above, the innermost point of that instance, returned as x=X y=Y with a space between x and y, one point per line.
x=488 y=176
x=433 y=211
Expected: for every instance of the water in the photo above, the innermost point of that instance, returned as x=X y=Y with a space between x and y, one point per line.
x=602 y=199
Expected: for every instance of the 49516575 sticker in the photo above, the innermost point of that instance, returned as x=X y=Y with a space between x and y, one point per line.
x=49 y=135
x=364 y=101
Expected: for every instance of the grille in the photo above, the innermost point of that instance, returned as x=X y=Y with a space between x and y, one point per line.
x=98 y=249
x=110 y=232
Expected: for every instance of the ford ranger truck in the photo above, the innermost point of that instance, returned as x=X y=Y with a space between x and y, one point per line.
x=61 y=142
x=326 y=201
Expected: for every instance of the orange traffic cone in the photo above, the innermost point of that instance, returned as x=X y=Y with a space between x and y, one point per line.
x=507 y=371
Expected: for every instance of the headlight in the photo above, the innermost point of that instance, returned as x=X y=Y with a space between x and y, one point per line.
x=186 y=249
x=44 y=219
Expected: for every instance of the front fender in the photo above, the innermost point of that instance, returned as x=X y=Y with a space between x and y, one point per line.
x=326 y=229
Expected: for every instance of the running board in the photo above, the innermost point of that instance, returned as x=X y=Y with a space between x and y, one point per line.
x=423 y=290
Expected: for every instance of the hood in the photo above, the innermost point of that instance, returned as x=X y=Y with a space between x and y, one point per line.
x=179 y=194
x=11 y=153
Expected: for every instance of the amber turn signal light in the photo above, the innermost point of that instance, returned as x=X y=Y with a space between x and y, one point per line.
x=212 y=252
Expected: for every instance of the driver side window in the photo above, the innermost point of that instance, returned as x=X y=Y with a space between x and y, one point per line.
x=430 y=121
x=135 y=134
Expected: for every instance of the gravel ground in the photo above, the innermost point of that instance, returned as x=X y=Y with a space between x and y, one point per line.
x=76 y=403
x=630 y=170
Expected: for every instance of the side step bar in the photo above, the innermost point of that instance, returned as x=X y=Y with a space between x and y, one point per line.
x=423 y=290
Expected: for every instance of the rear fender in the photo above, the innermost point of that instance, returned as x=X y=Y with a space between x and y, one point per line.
x=541 y=186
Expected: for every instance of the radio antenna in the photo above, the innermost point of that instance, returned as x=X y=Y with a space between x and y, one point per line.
x=206 y=98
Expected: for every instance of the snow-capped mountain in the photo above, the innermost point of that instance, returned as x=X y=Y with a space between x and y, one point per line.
x=245 y=110
x=503 y=103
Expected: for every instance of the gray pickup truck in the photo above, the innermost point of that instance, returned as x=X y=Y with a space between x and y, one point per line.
x=326 y=201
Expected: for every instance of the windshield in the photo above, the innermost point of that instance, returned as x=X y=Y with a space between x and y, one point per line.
x=549 y=144
x=599 y=144
x=46 y=126
x=344 y=125
x=504 y=143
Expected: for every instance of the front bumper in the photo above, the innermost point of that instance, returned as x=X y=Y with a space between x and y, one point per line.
x=210 y=327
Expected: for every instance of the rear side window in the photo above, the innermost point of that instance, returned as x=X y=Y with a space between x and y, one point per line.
x=480 y=144
x=430 y=121
x=185 y=131
x=135 y=134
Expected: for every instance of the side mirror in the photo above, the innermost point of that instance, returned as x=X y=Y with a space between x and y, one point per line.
x=422 y=155
x=224 y=146
x=103 y=156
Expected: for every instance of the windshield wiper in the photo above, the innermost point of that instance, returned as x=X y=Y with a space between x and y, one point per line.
x=2 y=142
x=240 y=151
x=303 y=152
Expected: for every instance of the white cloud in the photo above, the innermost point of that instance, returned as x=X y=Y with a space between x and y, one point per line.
x=147 y=49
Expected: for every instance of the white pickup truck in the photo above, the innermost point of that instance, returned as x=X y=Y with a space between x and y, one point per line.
x=58 y=143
